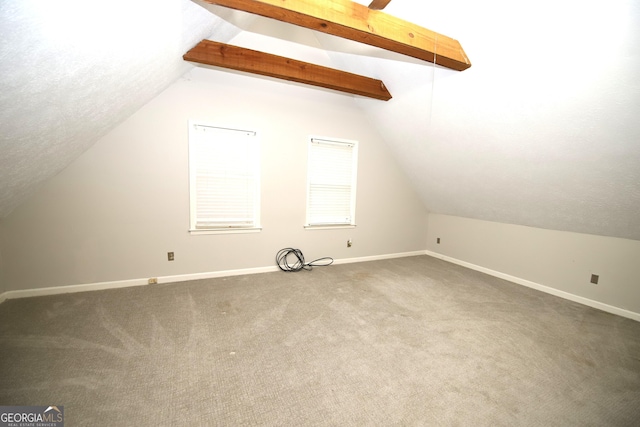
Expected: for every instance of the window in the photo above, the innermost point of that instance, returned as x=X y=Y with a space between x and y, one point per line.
x=331 y=182
x=224 y=179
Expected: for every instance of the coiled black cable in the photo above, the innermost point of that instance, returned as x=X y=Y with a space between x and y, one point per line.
x=299 y=264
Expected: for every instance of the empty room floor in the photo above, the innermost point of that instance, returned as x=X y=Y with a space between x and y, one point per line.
x=406 y=341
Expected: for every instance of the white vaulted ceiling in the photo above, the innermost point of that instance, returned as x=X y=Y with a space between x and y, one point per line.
x=542 y=130
x=71 y=70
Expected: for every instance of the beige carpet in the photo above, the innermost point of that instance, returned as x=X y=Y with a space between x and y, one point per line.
x=402 y=342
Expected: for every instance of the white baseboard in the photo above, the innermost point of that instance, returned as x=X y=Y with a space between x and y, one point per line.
x=562 y=294
x=378 y=257
x=227 y=273
x=176 y=278
x=54 y=290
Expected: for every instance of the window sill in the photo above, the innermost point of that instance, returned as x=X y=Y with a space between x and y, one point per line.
x=226 y=231
x=329 y=227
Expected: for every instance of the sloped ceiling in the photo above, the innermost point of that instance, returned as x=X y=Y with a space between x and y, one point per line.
x=71 y=70
x=542 y=130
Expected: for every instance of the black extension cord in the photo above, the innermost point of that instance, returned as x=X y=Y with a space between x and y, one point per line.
x=299 y=264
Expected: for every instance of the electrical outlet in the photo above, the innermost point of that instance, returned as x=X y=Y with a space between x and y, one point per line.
x=594 y=279
x=349 y=243
x=170 y=256
x=438 y=240
x=153 y=280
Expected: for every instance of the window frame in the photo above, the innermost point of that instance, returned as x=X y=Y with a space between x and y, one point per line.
x=254 y=160
x=312 y=224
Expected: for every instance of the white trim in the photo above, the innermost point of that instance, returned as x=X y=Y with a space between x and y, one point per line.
x=226 y=230
x=331 y=220
x=546 y=289
x=378 y=257
x=333 y=141
x=197 y=123
x=195 y=144
x=227 y=273
x=216 y=274
x=328 y=227
x=55 y=290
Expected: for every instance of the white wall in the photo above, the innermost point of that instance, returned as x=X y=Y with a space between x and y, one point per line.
x=560 y=260
x=115 y=212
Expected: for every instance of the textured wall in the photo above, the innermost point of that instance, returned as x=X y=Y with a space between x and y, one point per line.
x=70 y=71
x=557 y=259
x=116 y=211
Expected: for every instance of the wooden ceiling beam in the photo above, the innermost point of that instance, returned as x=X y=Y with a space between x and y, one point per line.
x=379 y=4
x=208 y=52
x=350 y=20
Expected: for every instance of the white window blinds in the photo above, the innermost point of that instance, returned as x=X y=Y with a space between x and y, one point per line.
x=224 y=167
x=331 y=183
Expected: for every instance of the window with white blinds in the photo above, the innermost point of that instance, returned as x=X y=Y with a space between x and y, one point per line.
x=331 y=182
x=224 y=181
